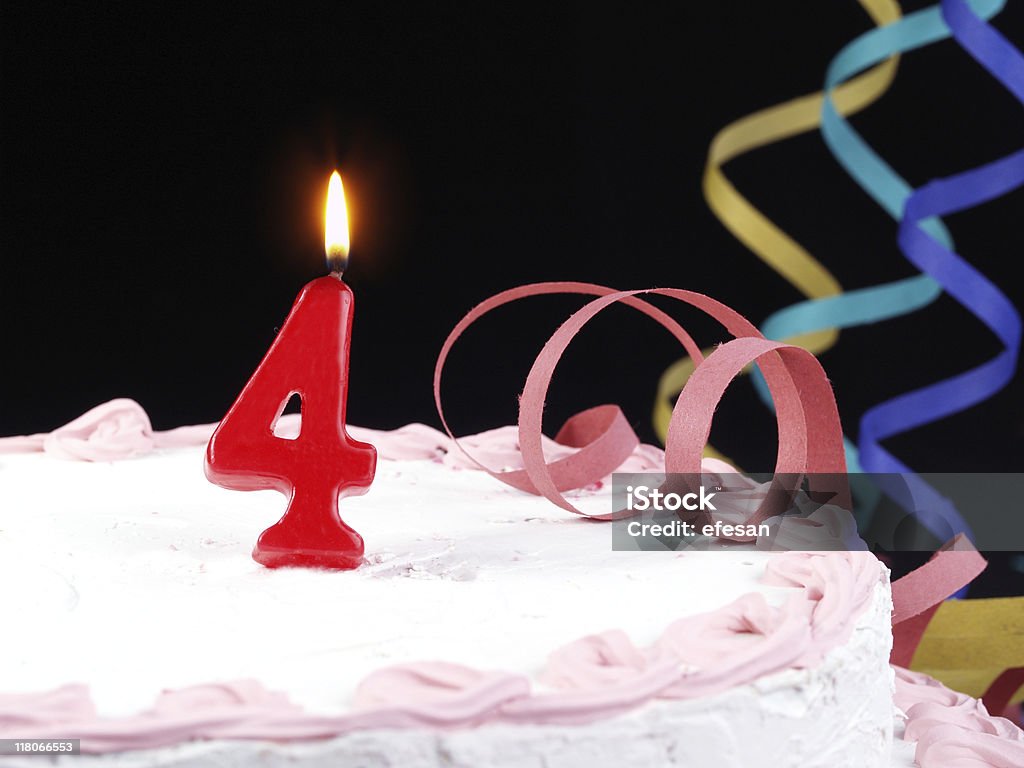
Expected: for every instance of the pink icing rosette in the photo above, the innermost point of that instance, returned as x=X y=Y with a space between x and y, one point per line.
x=438 y=693
x=115 y=430
x=953 y=730
x=596 y=661
x=67 y=703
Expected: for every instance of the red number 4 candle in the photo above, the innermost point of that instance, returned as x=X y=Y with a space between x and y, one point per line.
x=309 y=358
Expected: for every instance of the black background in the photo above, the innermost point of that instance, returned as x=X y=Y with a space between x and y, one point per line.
x=162 y=173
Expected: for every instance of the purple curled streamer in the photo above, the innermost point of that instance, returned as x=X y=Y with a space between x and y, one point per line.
x=968 y=286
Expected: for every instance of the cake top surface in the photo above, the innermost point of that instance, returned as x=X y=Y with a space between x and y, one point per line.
x=477 y=602
x=144 y=560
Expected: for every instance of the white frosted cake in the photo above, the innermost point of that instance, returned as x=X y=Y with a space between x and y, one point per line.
x=487 y=628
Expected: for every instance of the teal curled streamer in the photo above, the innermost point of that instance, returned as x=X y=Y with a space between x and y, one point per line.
x=969 y=287
x=881 y=302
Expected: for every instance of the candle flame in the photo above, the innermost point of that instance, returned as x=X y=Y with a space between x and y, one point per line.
x=336 y=243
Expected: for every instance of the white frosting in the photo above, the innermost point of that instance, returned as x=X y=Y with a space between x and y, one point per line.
x=135 y=576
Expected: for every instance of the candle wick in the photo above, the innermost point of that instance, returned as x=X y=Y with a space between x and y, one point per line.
x=337 y=260
x=337 y=273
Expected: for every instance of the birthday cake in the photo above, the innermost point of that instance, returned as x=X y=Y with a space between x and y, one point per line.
x=485 y=628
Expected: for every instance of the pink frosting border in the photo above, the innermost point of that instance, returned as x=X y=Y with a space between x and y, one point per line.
x=120 y=429
x=595 y=677
x=953 y=730
x=592 y=678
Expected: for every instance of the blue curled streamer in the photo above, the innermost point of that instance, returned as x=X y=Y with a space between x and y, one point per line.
x=969 y=287
x=881 y=302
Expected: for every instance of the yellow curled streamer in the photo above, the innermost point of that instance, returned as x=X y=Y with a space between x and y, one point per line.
x=969 y=643
x=773 y=246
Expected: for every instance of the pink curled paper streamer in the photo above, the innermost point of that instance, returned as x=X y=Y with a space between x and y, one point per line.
x=1002 y=689
x=917 y=596
x=602 y=434
x=804 y=400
